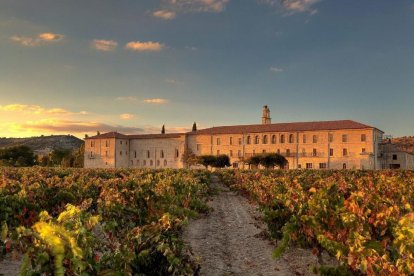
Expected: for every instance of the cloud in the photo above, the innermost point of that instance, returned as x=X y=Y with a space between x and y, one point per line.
x=164 y=14
x=156 y=101
x=196 y=5
x=276 y=69
x=293 y=6
x=126 y=116
x=171 y=81
x=69 y=126
x=104 y=45
x=40 y=39
x=127 y=98
x=34 y=109
x=148 y=46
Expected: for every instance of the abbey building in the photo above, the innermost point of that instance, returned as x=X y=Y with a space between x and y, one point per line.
x=341 y=144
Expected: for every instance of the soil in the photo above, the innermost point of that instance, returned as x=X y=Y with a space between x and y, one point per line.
x=231 y=240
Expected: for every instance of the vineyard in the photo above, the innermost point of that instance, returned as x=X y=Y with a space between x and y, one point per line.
x=88 y=222
x=363 y=218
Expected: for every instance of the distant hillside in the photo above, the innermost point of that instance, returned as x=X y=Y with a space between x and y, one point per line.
x=405 y=143
x=43 y=143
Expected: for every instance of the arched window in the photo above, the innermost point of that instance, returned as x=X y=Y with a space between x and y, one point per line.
x=282 y=138
x=315 y=139
x=248 y=140
x=273 y=139
x=165 y=163
x=177 y=153
x=291 y=138
x=363 y=137
x=344 y=166
x=162 y=154
x=265 y=139
x=256 y=139
x=304 y=138
x=148 y=154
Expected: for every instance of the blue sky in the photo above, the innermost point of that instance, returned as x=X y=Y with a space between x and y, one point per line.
x=132 y=66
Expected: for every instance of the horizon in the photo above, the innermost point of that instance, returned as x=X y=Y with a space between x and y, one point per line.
x=133 y=66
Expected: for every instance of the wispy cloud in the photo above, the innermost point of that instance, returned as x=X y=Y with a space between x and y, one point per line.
x=156 y=101
x=40 y=39
x=148 y=46
x=164 y=14
x=127 y=116
x=172 y=81
x=70 y=126
x=127 y=98
x=104 y=45
x=34 y=109
x=276 y=69
x=290 y=7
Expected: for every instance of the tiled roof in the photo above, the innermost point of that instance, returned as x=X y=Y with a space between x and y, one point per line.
x=109 y=135
x=156 y=136
x=285 y=127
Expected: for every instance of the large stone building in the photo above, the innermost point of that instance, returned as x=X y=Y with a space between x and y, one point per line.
x=342 y=144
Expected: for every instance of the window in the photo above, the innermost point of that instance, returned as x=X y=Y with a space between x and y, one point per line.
x=254 y=152
x=162 y=154
x=363 y=137
x=282 y=138
x=235 y=165
x=256 y=139
x=120 y=153
x=218 y=141
x=126 y=142
x=120 y=142
x=240 y=141
x=264 y=151
x=91 y=154
x=137 y=162
x=106 y=153
x=165 y=163
x=218 y=152
x=265 y=139
x=299 y=166
x=363 y=150
x=288 y=152
x=248 y=140
x=106 y=143
x=322 y=165
x=151 y=163
x=239 y=154
x=144 y=162
x=314 y=152
x=135 y=154
x=273 y=139
x=231 y=140
x=291 y=138
x=278 y=151
x=304 y=138
x=315 y=139
x=344 y=138
x=394 y=157
x=132 y=162
x=158 y=163
x=309 y=165
x=331 y=152
x=231 y=153
x=344 y=166
x=177 y=153
x=330 y=137
x=148 y=154
x=303 y=152
x=344 y=152
x=92 y=144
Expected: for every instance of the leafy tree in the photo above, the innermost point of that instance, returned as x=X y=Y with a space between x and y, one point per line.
x=189 y=158
x=58 y=155
x=79 y=156
x=20 y=156
x=268 y=160
x=222 y=161
x=206 y=160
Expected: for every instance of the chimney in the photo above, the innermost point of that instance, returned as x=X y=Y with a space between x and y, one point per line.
x=266 y=116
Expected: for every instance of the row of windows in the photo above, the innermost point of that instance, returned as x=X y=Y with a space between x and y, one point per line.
x=288 y=152
x=149 y=163
x=321 y=166
x=282 y=139
x=107 y=143
x=148 y=153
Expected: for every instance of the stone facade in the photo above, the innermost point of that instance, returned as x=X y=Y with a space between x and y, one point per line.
x=308 y=145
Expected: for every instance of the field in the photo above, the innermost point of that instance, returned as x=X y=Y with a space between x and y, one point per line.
x=116 y=222
x=103 y=222
x=363 y=218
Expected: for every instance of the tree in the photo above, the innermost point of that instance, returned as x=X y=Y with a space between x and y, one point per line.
x=79 y=156
x=189 y=158
x=206 y=160
x=222 y=161
x=163 y=129
x=20 y=156
x=58 y=155
x=268 y=160
x=194 y=127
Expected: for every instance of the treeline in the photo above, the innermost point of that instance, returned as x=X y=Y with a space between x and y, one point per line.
x=23 y=156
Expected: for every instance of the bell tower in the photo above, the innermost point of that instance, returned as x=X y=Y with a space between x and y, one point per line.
x=266 y=116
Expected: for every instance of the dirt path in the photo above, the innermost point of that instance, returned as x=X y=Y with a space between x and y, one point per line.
x=228 y=241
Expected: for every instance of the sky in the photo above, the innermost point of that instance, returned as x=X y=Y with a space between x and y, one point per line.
x=77 y=67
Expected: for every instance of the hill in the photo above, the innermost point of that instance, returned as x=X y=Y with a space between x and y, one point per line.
x=405 y=143
x=43 y=143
